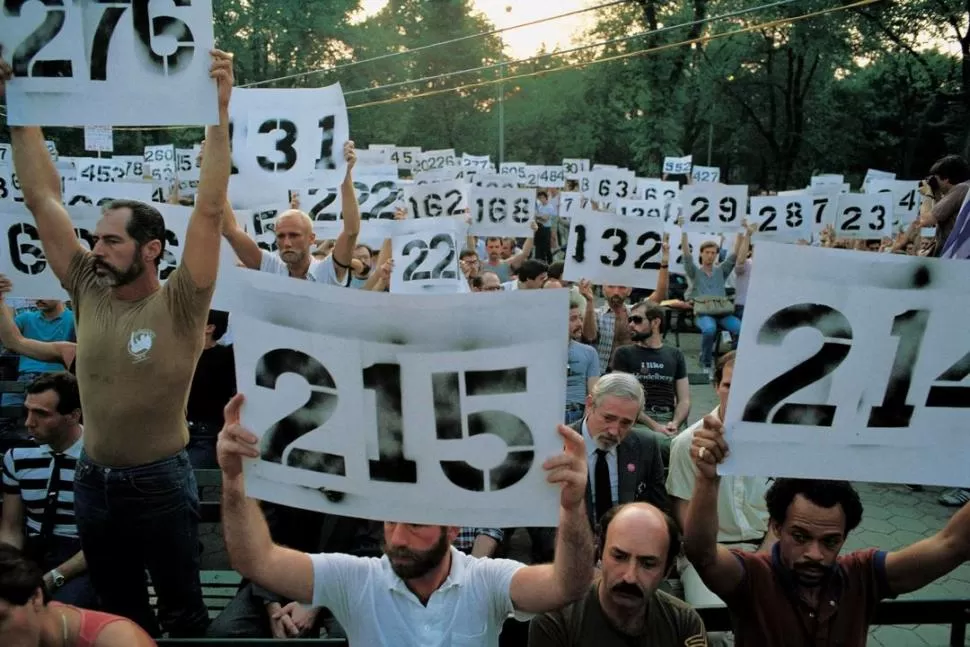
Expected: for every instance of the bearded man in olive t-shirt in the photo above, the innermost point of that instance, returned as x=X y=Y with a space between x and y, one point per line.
x=135 y=496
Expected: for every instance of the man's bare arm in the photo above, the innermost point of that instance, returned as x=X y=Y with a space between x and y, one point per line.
x=202 y=238
x=343 y=250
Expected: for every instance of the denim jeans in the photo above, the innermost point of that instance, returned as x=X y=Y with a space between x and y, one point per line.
x=574 y=412
x=708 y=327
x=134 y=518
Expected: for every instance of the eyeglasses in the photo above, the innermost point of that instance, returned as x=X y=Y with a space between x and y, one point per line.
x=636 y=319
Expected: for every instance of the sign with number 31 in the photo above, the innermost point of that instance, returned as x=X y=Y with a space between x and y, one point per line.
x=852 y=365
x=103 y=62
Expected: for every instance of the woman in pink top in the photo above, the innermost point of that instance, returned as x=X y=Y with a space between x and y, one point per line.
x=28 y=620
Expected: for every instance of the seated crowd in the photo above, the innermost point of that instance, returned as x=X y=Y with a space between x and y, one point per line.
x=135 y=391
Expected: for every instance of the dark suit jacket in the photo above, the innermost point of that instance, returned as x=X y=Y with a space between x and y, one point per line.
x=644 y=483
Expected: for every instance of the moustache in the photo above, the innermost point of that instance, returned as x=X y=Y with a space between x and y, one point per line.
x=628 y=589
x=640 y=336
x=616 y=300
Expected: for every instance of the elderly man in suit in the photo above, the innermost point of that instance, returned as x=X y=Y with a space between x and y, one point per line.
x=624 y=463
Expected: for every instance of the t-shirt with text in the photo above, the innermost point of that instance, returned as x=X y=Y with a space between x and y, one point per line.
x=658 y=370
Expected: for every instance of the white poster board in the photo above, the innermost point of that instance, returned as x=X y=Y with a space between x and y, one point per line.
x=864 y=215
x=438 y=199
x=375 y=407
x=99 y=139
x=501 y=212
x=718 y=208
x=852 y=366
x=425 y=254
x=781 y=218
x=608 y=249
x=88 y=63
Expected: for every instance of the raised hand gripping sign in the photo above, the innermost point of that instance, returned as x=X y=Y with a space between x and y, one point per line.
x=425 y=254
x=502 y=212
x=96 y=63
x=865 y=216
x=852 y=366
x=783 y=218
x=392 y=417
x=289 y=138
x=716 y=208
x=437 y=199
x=618 y=250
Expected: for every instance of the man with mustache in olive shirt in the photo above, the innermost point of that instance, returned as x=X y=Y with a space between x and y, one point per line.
x=135 y=496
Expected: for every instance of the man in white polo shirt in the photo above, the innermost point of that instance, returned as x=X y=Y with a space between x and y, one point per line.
x=422 y=592
x=295 y=237
x=742 y=513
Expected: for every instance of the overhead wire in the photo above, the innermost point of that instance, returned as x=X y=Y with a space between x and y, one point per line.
x=579 y=48
x=640 y=52
x=421 y=48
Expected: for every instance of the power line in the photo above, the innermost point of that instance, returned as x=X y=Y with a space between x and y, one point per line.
x=700 y=39
x=652 y=32
x=432 y=45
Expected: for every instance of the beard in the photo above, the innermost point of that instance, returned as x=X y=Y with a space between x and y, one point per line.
x=641 y=336
x=292 y=256
x=412 y=564
x=110 y=276
x=616 y=301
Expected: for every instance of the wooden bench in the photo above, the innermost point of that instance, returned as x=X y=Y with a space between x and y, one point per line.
x=218 y=589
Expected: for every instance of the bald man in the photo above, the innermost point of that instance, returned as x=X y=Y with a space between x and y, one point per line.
x=623 y=607
x=295 y=239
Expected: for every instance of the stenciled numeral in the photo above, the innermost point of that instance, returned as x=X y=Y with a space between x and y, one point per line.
x=392 y=465
x=440 y=271
x=23 y=59
x=837 y=334
x=318 y=408
x=283 y=145
x=909 y=327
x=148 y=28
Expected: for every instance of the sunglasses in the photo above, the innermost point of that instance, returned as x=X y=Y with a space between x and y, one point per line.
x=636 y=319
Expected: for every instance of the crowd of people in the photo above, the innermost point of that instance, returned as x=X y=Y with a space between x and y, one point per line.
x=132 y=389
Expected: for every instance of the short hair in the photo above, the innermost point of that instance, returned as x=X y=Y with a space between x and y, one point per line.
x=20 y=578
x=709 y=243
x=219 y=319
x=650 y=309
x=62 y=383
x=144 y=225
x=491 y=238
x=576 y=300
x=542 y=194
x=365 y=246
x=725 y=360
x=951 y=167
x=556 y=269
x=476 y=282
x=487 y=272
x=826 y=494
x=532 y=269
x=673 y=532
x=465 y=253
x=617 y=385
x=307 y=220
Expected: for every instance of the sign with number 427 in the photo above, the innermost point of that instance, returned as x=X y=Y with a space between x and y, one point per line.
x=853 y=366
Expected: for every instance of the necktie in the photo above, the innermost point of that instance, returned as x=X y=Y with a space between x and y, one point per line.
x=49 y=519
x=603 y=492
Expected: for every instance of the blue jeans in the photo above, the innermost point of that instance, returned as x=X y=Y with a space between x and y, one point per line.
x=133 y=518
x=708 y=327
x=574 y=412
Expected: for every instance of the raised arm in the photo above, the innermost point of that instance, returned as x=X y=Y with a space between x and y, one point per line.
x=14 y=340
x=343 y=250
x=374 y=282
x=545 y=587
x=41 y=185
x=921 y=563
x=717 y=566
x=284 y=571
x=516 y=261
x=590 y=325
x=663 y=277
x=245 y=247
x=201 y=256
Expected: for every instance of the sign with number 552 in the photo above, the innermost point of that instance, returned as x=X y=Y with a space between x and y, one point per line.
x=852 y=366
x=428 y=413
x=103 y=63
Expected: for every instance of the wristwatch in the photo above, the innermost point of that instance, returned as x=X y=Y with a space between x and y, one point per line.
x=57 y=578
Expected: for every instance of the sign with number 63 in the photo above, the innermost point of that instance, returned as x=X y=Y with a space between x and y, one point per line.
x=852 y=366
x=393 y=417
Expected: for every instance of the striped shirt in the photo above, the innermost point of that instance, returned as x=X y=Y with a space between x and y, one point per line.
x=27 y=473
